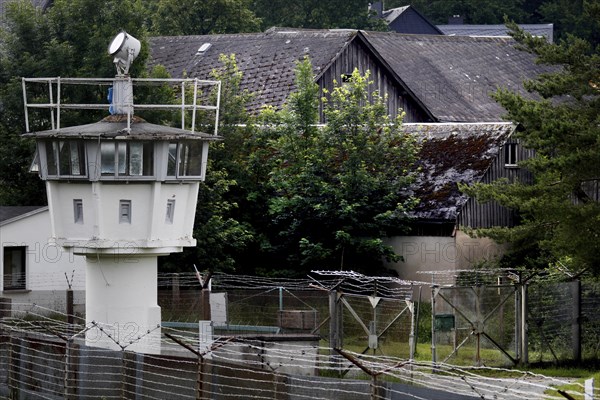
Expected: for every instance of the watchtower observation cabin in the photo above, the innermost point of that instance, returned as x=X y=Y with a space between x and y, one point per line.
x=123 y=191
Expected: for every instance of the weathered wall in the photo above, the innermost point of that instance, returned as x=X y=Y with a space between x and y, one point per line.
x=354 y=56
x=439 y=253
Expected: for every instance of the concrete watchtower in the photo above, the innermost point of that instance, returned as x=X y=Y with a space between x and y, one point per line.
x=122 y=192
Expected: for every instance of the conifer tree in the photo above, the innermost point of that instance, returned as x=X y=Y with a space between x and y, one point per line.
x=560 y=211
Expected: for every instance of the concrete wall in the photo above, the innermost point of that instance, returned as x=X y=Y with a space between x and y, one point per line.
x=439 y=253
x=101 y=226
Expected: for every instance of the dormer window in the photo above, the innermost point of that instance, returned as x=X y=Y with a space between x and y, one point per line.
x=126 y=158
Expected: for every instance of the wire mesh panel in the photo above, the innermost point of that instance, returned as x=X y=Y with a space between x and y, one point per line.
x=475 y=325
x=590 y=319
x=47 y=358
x=376 y=325
x=551 y=317
x=36 y=367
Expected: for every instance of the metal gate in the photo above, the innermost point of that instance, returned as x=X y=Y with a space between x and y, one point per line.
x=478 y=324
x=371 y=314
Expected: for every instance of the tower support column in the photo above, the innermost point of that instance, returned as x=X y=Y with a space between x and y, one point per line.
x=121 y=302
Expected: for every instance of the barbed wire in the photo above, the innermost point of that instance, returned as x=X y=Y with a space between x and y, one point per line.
x=243 y=368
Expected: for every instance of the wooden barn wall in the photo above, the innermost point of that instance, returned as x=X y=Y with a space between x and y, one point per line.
x=491 y=214
x=591 y=189
x=356 y=56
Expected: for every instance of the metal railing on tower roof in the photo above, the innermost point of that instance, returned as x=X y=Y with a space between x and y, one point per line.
x=201 y=98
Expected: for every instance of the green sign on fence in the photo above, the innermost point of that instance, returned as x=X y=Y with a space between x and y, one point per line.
x=444 y=322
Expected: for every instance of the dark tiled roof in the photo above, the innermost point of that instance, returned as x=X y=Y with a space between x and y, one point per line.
x=10 y=212
x=267 y=59
x=545 y=30
x=453 y=153
x=454 y=75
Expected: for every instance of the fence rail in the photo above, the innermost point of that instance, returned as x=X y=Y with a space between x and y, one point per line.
x=318 y=332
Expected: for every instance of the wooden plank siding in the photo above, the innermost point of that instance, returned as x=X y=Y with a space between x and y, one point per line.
x=592 y=189
x=490 y=214
x=355 y=55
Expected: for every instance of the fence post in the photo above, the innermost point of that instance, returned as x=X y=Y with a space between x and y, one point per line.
x=411 y=336
x=334 y=327
x=201 y=382
x=128 y=375
x=205 y=297
x=589 y=389
x=576 y=320
x=200 y=378
x=73 y=359
x=524 y=327
x=518 y=352
x=376 y=388
x=70 y=309
x=175 y=293
x=14 y=367
x=434 y=291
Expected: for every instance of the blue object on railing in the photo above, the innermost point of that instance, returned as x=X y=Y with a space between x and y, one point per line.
x=111 y=108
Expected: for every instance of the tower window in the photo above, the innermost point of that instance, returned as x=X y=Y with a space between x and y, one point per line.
x=66 y=158
x=124 y=211
x=127 y=158
x=185 y=159
x=78 y=211
x=170 y=211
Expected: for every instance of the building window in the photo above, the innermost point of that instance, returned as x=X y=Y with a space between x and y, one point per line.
x=14 y=268
x=127 y=158
x=170 y=211
x=78 y=211
x=66 y=158
x=510 y=155
x=172 y=162
x=124 y=211
x=185 y=159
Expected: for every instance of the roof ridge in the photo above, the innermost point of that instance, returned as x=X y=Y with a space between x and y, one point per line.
x=27 y=211
x=433 y=38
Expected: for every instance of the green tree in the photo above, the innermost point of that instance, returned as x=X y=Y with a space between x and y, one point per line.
x=314 y=14
x=223 y=225
x=337 y=190
x=70 y=39
x=580 y=18
x=192 y=17
x=561 y=209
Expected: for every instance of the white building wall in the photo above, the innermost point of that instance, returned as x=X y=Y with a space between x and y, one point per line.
x=101 y=227
x=49 y=267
